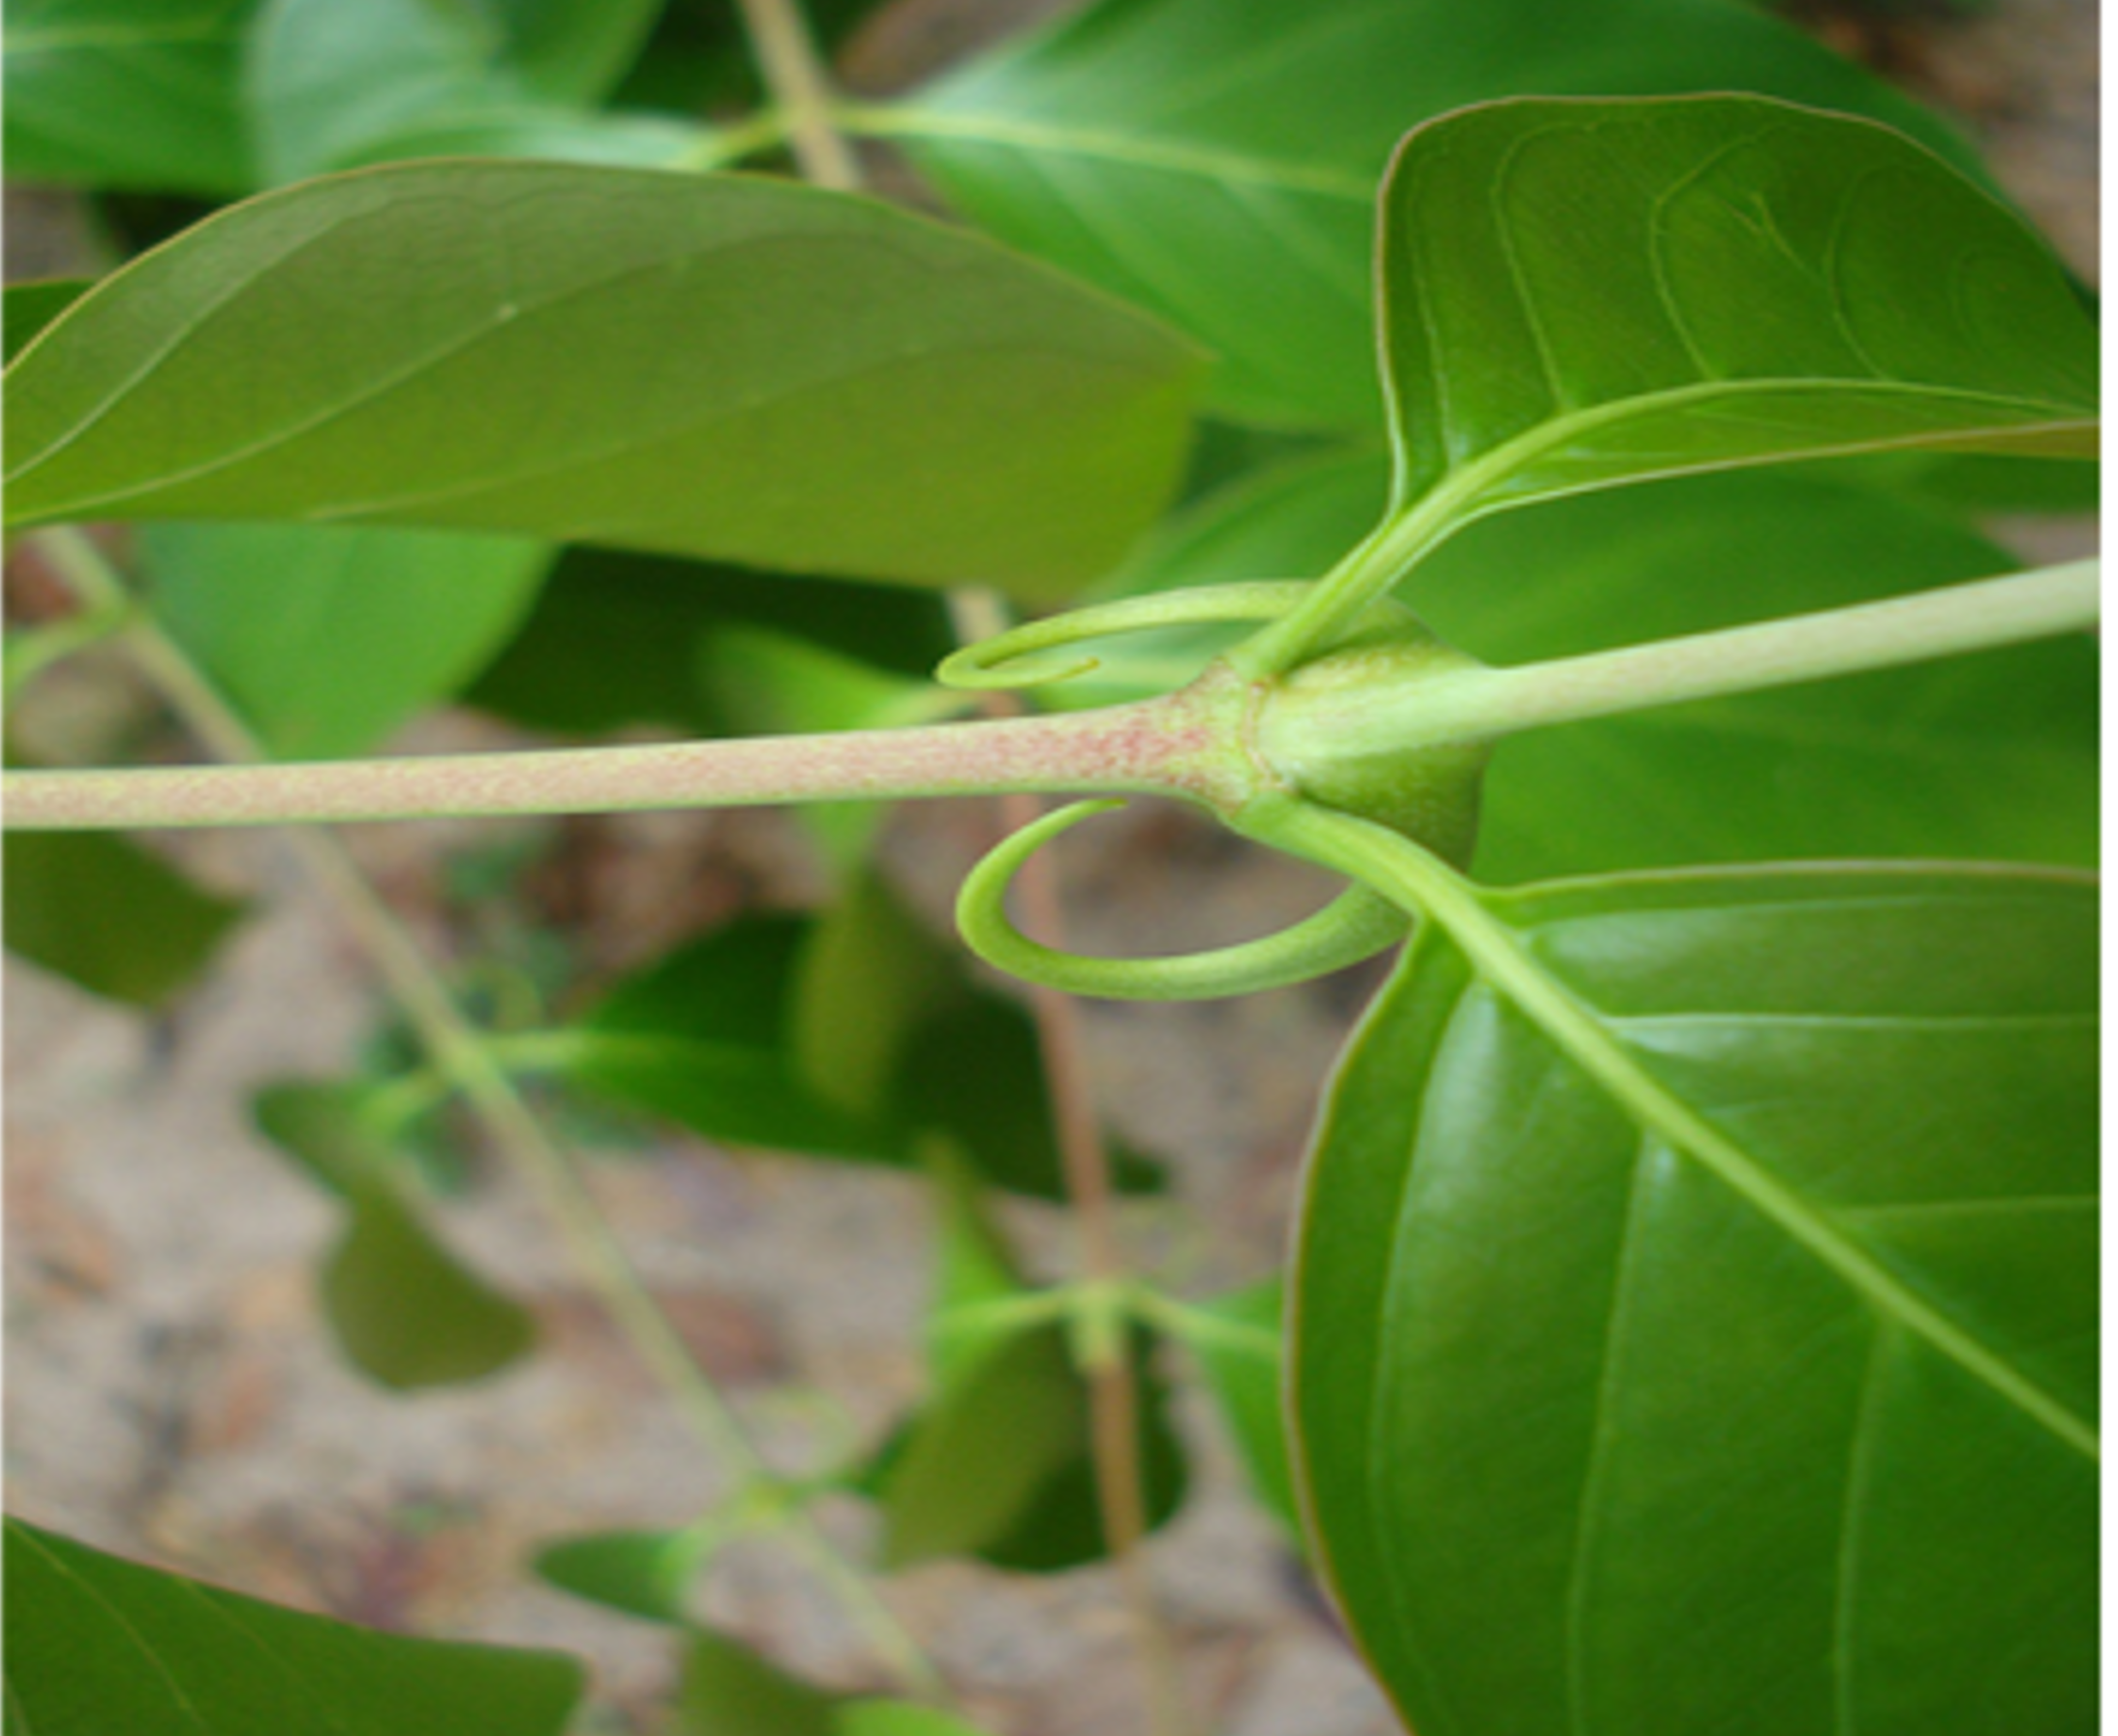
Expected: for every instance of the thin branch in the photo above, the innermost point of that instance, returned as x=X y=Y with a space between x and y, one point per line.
x=1152 y=746
x=796 y=74
x=1477 y=703
x=458 y=1049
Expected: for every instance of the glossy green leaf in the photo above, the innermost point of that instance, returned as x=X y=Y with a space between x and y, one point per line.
x=1989 y=756
x=617 y=639
x=899 y=1718
x=868 y=973
x=998 y=1466
x=701 y=1036
x=975 y=1461
x=975 y=1072
x=647 y=1573
x=102 y=912
x=97 y=1645
x=332 y=83
x=1580 y=294
x=998 y=1462
x=576 y=50
x=1236 y=1339
x=550 y=135
x=710 y=365
x=729 y=1036
x=1216 y=160
x=1702 y=1334
x=131 y=94
x=328 y=638
x=727 y=1690
x=33 y=306
x=324 y=76
x=404 y=1309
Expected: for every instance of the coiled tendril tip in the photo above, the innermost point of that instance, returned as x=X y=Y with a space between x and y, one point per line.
x=1354 y=925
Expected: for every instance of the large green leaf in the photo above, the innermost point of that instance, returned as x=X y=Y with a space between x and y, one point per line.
x=1698 y=1330
x=576 y=50
x=32 y=306
x=326 y=638
x=97 y=1645
x=334 y=82
x=1580 y=294
x=1216 y=160
x=109 y=916
x=714 y=365
x=140 y=93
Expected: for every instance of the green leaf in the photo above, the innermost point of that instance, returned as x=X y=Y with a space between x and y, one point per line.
x=97 y=1645
x=108 y=916
x=329 y=639
x=33 y=306
x=703 y=1037
x=897 y=1717
x=617 y=639
x=552 y=134
x=404 y=1309
x=728 y=1690
x=1236 y=1338
x=131 y=94
x=647 y=1573
x=723 y=366
x=322 y=78
x=1064 y=1528
x=868 y=972
x=337 y=83
x=975 y=1460
x=576 y=50
x=975 y=1072
x=1216 y=160
x=1700 y=1333
x=1580 y=294
x=998 y=1463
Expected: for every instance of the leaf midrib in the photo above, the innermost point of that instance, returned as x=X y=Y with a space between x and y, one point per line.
x=1500 y=954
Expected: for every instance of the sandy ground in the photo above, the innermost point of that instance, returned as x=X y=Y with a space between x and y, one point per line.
x=169 y=1394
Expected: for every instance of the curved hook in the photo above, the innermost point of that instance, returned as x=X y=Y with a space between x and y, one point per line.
x=1353 y=926
x=980 y=665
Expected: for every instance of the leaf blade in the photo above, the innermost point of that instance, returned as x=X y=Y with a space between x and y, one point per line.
x=98 y=1643
x=1216 y=160
x=694 y=364
x=1582 y=293
x=1713 y=1435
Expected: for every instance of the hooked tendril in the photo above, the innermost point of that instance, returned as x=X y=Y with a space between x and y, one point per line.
x=985 y=665
x=1354 y=925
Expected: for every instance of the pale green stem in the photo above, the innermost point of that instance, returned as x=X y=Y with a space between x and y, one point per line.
x=1477 y=703
x=1136 y=748
x=460 y=1051
x=786 y=55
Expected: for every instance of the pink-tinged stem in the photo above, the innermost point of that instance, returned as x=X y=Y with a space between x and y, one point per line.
x=1153 y=747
